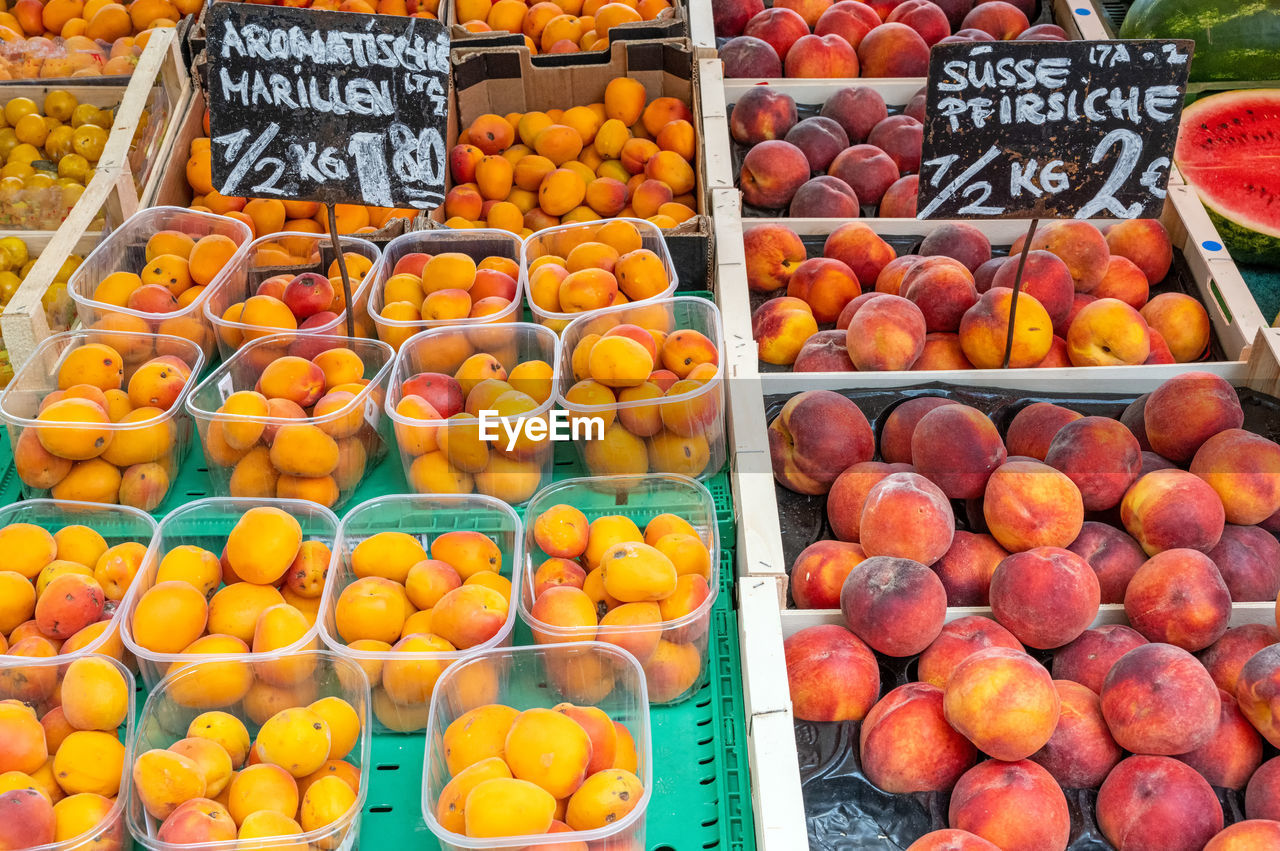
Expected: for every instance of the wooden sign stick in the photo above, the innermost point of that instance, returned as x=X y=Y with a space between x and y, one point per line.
x=346 y=279
x=1017 y=288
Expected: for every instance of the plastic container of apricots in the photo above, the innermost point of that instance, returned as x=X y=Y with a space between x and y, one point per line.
x=97 y=416
x=660 y=532
x=654 y=374
x=471 y=410
x=606 y=263
x=92 y=551
x=571 y=721
x=482 y=264
x=229 y=578
x=117 y=287
x=289 y=282
x=304 y=715
x=70 y=787
x=296 y=418
x=454 y=559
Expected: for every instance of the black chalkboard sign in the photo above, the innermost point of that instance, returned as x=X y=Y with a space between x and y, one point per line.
x=328 y=106
x=1070 y=129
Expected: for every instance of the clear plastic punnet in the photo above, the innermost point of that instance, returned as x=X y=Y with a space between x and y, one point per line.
x=559 y=241
x=125 y=250
x=585 y=673
x=37 y=682
x=401 y=677
x=286 y=255
x=676 y=429
x=478 y=244
x=499 y=444
x=206 y=523
x=672 y=652
x=252 y=691
x=127 y=533
x=354 y=435
x=85 y=455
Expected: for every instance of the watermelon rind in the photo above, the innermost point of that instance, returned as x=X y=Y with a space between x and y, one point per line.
x=1235 y=39
x=1229 y=150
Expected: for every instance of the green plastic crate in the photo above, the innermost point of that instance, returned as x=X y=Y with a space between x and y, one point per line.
x=701 y=788
x=10 y=485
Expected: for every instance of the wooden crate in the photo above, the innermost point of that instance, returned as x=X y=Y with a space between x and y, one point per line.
x=1218 y=285
x=1079 y=18
x=463 y=41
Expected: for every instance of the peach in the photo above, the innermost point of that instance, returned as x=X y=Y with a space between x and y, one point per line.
x=1188 y=409
x=924 y=17
x=906 y=744
x=984 y=275
x=957 y=447
x=899 y=200
x=771 y=173
x=1016 y=805
x=762 y=114
x=959 y=640
x=900 y=425
x=1241 y=836
x=958 y=240
x=730 y=18
x=1145 y=243
x=966 y=568
x=773 y=253
x=1100 y=455
x=1157 y=802
x=907 y=516
x=809 y=10
x=1088 y=659
x=833 y=676
x=1234 y=752
x=849 y=493
x=1170 y=509
x=1045 y=596
x=825 y=351
x=821 y=56
x=1226 y=656
x=868 y=170
x=1002 y=21
x=984 y=330
x=1078 y=303
x=781 y=327
x=1027 y=504
x=860 y=248
x=1032 y=430
x=902 y=138
x=952 y=840
x=827 y=285
x=1042 y=32
x=857 y=109
x=846 y=315
x=886 y=333
x=1262 y=795
x=824 y=197
x=780 y=27
x=1045 y=277
x=748 y=57
x=817 y=434
x=197 y=821
x=1081 y=751
x=1124 y=281
x=849 y=20
x=896 y=605
x=891 y=276
x=1248 y=558
x=26 y=819
x=819 y=572
x=893 y=50
x=1114 y=556
x=1078 y=244
x=1159 y=699
x=1256 y=691
x=943 y=290
x=1244 y=469
x=1178 y=597
x=1108 y=332
x=1003 y=701
x=1182 y=322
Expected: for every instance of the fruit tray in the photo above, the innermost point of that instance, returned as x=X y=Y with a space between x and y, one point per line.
x=1202 y=268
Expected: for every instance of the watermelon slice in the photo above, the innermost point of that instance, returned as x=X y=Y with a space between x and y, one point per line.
x=1229 y=150
x=1235 y=39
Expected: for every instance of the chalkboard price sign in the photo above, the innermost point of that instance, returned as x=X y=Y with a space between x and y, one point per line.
x=328 y=106
x=1069 y=129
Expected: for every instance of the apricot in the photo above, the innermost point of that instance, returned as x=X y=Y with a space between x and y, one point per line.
x=74 y=429
x=296 y=739
x=549 y=749
x=502 y=807
x=370 y=608
x=262 y=787
x=224 y=729
x=283 y=627
x=467 y=552
x=234 y=610
x=477 y=735
x=469 y=615
x=263 y=543
x=168 y=617
x=94 y=695
x=410 y=681
x=164 y=779
x=390 y=555
x=23 y=740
